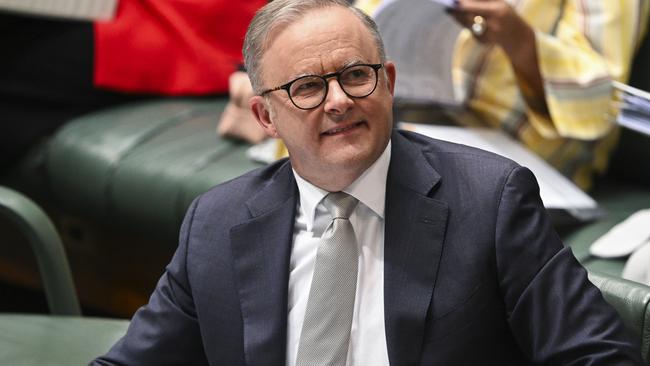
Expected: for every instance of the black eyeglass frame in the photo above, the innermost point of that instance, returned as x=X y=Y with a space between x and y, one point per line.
x=287 y=87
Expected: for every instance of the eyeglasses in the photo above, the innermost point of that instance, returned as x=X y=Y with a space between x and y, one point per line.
x=308 y=92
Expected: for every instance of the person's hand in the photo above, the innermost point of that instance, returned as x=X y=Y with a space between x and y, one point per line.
x=237 y=119
x=498 y=21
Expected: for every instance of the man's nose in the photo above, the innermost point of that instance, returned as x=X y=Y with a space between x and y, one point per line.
x=336 y=101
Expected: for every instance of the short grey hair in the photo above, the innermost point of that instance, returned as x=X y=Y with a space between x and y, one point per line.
x=282 y=13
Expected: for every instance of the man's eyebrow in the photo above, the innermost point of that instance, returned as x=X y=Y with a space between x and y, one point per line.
x=304 y=73
x=348 y=63
x=307 y=74
x=352 y=63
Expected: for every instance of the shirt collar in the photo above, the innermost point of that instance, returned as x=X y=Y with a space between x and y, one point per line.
x=369 y=189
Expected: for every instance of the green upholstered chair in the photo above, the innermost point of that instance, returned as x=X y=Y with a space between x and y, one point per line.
x=632 y=301
x=64 y=338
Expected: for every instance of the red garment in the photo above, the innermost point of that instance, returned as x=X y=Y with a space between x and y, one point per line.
x=172 y=47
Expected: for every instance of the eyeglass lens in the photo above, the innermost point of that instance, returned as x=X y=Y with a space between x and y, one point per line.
x=356 y=81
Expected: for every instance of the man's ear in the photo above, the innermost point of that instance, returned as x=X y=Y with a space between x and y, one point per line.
x=391 y=74
x=262 y=114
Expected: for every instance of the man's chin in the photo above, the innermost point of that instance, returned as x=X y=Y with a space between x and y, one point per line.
x=352 y=159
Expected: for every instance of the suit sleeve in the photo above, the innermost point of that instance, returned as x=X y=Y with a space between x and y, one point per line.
x=166 y=330
x=556 y=315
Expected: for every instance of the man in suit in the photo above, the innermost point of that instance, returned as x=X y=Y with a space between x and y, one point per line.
x=457 y=261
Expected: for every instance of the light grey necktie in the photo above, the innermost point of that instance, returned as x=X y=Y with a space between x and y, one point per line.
x=326 y=328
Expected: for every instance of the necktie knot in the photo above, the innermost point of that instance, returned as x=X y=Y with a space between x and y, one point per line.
x=340 y=204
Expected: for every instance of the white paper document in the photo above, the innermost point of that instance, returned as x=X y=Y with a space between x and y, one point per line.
x=70 y=9
x=557 y=191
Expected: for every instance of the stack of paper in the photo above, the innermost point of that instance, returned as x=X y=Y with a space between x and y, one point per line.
x=70 y=9
x=633 y=107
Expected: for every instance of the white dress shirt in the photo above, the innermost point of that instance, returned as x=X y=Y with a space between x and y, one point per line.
x=368 y=336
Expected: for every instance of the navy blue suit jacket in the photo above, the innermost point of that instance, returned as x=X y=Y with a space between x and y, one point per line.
x=474 y=273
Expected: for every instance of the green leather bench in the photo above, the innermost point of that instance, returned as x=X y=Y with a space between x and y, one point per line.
x=138 y=166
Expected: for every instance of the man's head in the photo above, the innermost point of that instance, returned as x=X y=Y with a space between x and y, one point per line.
x=330 y=144
x=280 y=13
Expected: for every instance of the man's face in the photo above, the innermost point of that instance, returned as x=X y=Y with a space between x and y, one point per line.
x=343 y=136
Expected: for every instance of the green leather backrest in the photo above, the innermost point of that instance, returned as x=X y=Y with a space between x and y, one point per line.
x=632 y=301
x=140 y=165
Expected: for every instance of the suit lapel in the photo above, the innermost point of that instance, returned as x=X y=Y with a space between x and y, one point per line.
x=415 y=229
x=261 y=249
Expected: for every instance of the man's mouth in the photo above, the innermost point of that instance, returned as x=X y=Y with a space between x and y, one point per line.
x=342 y=129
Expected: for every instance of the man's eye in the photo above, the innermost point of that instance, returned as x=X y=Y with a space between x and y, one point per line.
x=306 y=87
x=309 y=85
x=356 y=75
